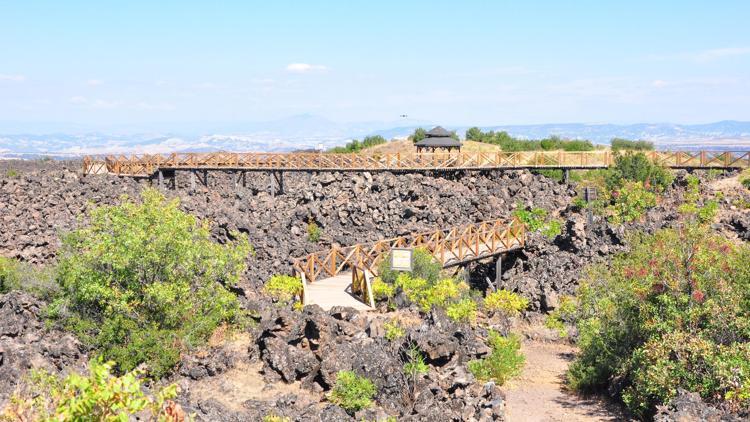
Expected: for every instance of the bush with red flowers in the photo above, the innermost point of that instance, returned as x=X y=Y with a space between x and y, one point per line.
x=673 y=313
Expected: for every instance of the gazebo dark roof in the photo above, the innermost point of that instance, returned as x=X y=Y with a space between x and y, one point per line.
x=438 y=131
x=438 y=137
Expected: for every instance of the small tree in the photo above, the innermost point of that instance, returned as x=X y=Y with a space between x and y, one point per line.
x=418 y=135
x=636 y=167
x=474 y=134
x=144 y=281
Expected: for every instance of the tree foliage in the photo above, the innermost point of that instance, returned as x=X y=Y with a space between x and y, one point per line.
x=672 y=313
x=425 y=267
x=510 y=143
x=636 y=167
x=418 y=134
x=98 y=396
x=144 y=281
x=356 y=146
x=618 y=144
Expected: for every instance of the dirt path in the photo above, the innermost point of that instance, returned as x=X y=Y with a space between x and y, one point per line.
x=539 y=394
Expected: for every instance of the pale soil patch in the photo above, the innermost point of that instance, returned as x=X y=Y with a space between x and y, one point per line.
x=729 y=185
x=539 y=393
x=245 y=382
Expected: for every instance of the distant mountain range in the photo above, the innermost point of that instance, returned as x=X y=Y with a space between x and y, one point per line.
x=309 y=131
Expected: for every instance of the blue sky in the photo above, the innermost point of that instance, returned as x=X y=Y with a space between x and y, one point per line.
x=470 y=62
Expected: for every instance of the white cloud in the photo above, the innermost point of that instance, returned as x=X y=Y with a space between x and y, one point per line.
x=78 y=100
x=305 y=67
x=103 y=104
x=719 y=53
x=94 y=82
x=155 y=107
x=97 y=104
x=12 y=78
x=659 y=83
x=705 y=56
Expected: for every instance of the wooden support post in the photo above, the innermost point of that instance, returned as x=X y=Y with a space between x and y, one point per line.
x=271 y=185
x=161 y=179
x=192 y=181
x=566 y=175
x=244 y=179
x=205 y=178
x=498 y=271
x=281 y=182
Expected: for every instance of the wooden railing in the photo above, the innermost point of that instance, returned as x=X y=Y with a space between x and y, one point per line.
x=145 y=165
x=450 y=247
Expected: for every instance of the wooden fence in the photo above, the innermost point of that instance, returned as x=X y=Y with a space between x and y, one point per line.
x=450 y=247
x=146 y=165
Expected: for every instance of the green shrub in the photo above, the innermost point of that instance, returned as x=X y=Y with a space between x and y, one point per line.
x=510 y=143
x=98 y=396
x=565 y=313
x=9 y=274
x=382 y=290
x=393 y=330
x=554 y=174
x=703 y=213
x=538 y=220
x=505 y=302
x=674 y=312
x=464 y=310
x=144 y=282
x=425 y=267
x=631 y=201
x=39 y=282
x=745 y=178
x=618 y=144
x=415 y=364
x=313 y=232
x=284 y=288
x=12 y=174
x=636 y=167
x=357 y=146
x=352 y=392
x=504 y=363
x=427 y=296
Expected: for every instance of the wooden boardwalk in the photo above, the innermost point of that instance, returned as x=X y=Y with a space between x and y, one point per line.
x=145 y=165
x=334 y=291
x=342 y=276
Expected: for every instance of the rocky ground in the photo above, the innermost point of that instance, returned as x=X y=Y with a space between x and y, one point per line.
x=286 y=361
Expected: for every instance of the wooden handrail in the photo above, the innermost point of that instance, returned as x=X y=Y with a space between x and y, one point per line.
x=450 y=247
x=144 y=165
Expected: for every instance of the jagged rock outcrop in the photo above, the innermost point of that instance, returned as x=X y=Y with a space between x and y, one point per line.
x=26 y=343
x=48 y=198
x=312 y=346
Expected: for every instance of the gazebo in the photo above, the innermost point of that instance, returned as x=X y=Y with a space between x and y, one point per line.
x=438 y=138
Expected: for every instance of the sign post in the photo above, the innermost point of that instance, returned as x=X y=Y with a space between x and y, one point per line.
x=589 y=195
x=402 y=259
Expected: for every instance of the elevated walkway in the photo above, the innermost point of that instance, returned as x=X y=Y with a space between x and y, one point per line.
x=146 y=165
x=342 y=276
